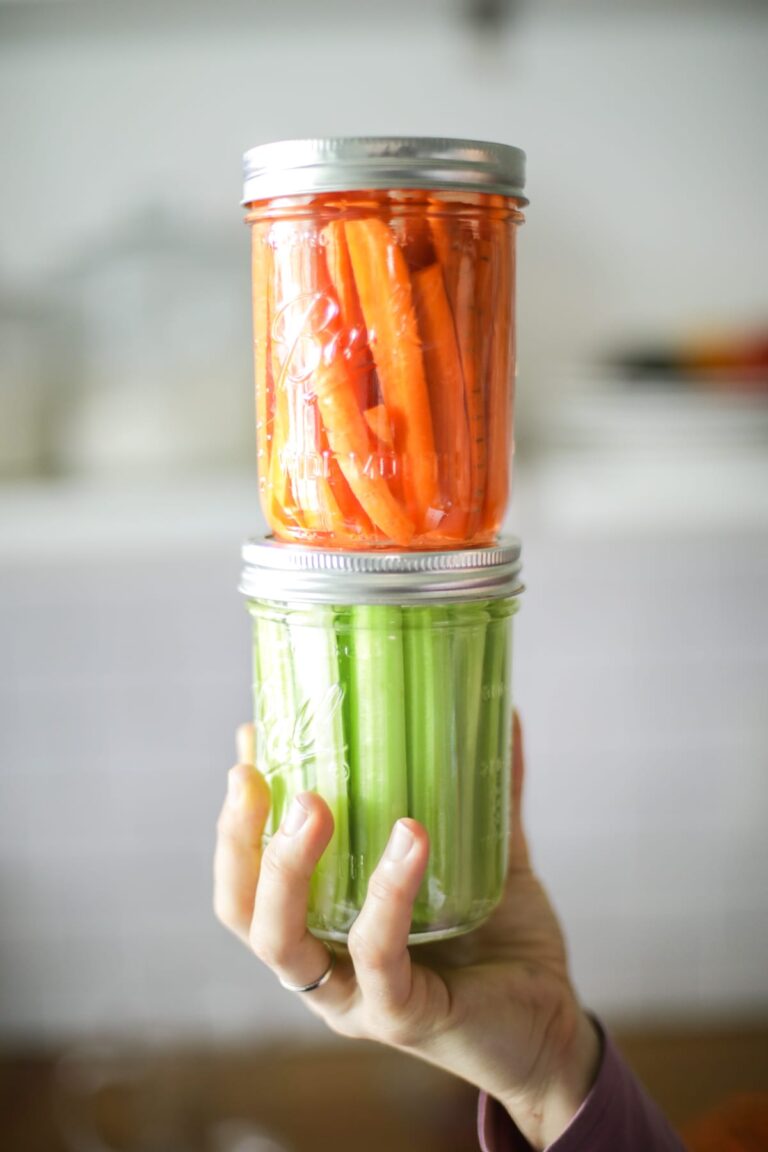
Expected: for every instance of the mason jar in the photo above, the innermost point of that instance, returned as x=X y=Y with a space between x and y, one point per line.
x=383 y=274
x=383 y=682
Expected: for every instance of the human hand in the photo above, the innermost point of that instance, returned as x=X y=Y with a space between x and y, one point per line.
x=495 y=1007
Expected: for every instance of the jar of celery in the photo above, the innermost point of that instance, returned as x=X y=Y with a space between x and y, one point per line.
x=383 y=274
x=383 y=682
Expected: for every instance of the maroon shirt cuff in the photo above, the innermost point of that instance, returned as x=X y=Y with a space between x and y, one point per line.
x=617 y=1116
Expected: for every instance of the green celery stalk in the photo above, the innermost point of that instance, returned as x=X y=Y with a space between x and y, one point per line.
x=489 y=779
x=501 y=613
x=433 y=785
x=388 y=711
x=321 y=748
x=274 y=709
x=378 y=789
x=469 y=639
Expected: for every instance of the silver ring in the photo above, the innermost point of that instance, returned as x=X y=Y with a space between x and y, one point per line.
x=323 y=979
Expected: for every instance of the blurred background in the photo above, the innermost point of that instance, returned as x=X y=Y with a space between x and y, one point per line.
x=127 y=480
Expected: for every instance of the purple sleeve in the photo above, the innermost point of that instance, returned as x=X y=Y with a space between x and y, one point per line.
x=617 y=1116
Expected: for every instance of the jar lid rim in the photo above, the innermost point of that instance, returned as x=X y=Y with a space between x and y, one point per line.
x=350 y=163
x=273 y=570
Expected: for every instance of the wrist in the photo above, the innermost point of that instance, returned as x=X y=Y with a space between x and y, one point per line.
x=567 y=1076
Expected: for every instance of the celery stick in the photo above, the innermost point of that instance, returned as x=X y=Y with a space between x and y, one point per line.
x=502 y=613
x=378 y=782
x=274 y=711
x=319 y=745
x=469 y=640
x=499 y=857
x=489 y=801
x=433 y=787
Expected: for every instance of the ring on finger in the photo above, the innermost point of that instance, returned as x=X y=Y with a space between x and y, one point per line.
x=322 y=979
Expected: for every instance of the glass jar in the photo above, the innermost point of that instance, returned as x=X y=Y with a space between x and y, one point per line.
x=383 y=682
x=383 y=274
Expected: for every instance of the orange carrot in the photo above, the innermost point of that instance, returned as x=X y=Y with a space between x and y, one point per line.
x=349 y=441
x=500 y=379
x=415 y=238
x=320 y=509
x=442 y=361
x=340 y=272
x=286 y=495
x=327 y=517
x=451 y=532
x=467 y=332
x=321 y=394
x=260 y=279
x=281 y=502
x=298 y=310
x=377 y=420
x=357 y=526
x=446 y=237
x=384 y=288
x=356 y=338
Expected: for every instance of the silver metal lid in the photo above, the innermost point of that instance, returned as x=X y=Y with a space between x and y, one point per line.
x=347 y=163
x=287 y=572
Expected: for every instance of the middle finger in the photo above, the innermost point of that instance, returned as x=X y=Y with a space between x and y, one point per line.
x=279 y=935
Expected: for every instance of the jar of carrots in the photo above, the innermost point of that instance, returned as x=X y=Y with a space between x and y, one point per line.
x=384 y=338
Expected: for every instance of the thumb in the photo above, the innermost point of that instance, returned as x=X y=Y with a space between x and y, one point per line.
x=246 y=744
x=519 y=860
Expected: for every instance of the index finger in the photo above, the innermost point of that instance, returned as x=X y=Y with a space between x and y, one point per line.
x=237 y=859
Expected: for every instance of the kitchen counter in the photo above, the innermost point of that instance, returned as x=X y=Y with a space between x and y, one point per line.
x=339 y=1098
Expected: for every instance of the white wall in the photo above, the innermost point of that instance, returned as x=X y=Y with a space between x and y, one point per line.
x=644 y=126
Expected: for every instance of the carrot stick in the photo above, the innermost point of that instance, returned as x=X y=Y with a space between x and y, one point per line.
x=314 y=368
x=484 y=302
x=468 y=332
x=329 y=517
x=356 y=523
x=289 y=499
x=260 y=281
x=442 y=361
x=446 y=237
x=377 y=419
x=349 y=441
x=340 y=272
x=384 y=288
x=356 y=338
x=415 y=238
x=323 y=515
x=299 y=308
x=281 y=503
x=500 y=379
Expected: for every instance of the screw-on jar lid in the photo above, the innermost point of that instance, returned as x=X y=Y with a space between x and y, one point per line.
x=349 y=163
x=286 y=572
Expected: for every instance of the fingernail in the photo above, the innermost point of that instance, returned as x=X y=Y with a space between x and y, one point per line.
x=294 y=818
x=234 y=790
x=399 y=844
x=244 y=743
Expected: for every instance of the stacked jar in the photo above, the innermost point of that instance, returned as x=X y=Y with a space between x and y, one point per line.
x=384 y=338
